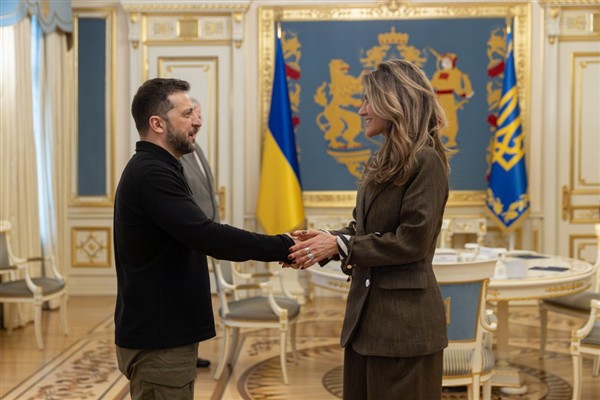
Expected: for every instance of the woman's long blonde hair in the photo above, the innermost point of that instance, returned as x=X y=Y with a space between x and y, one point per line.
x=400 y=93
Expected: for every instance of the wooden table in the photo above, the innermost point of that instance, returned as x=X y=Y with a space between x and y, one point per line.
x=530 y=276
x=538 y=276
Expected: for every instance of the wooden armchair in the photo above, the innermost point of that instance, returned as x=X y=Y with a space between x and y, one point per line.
x=19 y=285
x=240 y=310
x=586 y=341
x=469 y=358
x=575 y=305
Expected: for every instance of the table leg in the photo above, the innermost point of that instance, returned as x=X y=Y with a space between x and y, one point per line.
x=505 y=375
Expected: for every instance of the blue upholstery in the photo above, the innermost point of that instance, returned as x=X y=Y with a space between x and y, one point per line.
x=462 y=303
x=467 y=359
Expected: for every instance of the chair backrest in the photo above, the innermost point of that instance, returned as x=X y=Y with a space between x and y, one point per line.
x=464 y=288
x=228 y=287
x=596 y=282
x=462 y=225
x=6 y=257
x=445 y=237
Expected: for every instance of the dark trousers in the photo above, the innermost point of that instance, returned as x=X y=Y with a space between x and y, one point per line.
x=162 y=374
x=393 y=378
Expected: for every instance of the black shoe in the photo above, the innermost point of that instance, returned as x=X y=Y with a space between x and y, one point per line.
x=202 y=363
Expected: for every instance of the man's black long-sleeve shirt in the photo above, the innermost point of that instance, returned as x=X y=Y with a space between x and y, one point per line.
x=161 y=240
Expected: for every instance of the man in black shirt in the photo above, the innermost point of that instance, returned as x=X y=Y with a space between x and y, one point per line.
x=161 y=240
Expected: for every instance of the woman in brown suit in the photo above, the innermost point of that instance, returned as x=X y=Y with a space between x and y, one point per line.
x=394 y=329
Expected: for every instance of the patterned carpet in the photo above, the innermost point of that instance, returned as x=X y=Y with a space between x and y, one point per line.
x=257 y=382
x=87 y=370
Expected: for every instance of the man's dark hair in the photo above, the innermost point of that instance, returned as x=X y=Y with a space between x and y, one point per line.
x=152 y=98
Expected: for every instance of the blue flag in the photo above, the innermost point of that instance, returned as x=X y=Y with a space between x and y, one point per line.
x=279 y=207
x=507 y=199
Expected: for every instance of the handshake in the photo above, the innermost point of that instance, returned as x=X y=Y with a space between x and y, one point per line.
x=311 y=246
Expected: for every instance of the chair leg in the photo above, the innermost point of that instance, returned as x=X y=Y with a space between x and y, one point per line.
x=487 y=390
x=282 y=348
x=293 y=343
x=12 y=313
x=63 y=315
x=543 y=329
x=596 y=367
x=577 y=369
x=37 y=324
x=235 y=339
x=224 y=352
x=476 y=387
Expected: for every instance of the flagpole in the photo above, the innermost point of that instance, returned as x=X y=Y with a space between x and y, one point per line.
x=511 y=241
x=511 y=235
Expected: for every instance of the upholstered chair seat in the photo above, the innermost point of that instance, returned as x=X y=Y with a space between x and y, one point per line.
x=593 y=338
x=20 y=285
x=19 y=288
x=259 y=308
x=576 y=302
x=241 y=308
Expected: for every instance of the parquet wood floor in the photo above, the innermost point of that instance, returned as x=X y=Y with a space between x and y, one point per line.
x=82 y=362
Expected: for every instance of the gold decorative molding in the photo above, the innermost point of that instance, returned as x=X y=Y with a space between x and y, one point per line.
x=550 y=292
x=393 y=5
x=465 y=198
x=579 y=23
x=579 y=64
x=187 y=28
x=134 y=30
x=578 y=245
x=231 y=30
x=329 y=199
x=341 y=199
x=137 y=6
x=567 y=288
x=572 y=20
x=552 y=24
x=563 y=3
x=584 y=214
x=91 y=247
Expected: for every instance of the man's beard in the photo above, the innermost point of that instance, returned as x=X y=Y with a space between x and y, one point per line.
x=179 y=143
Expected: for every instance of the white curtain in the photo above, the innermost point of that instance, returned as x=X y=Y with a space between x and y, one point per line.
x=53 y=160
x=33 y=162
x=18 y=177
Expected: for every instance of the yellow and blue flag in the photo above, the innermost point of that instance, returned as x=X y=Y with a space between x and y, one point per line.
x=280 y=207
x=507 y=199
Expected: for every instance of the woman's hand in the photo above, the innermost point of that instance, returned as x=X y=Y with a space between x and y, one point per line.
x=314 y=246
